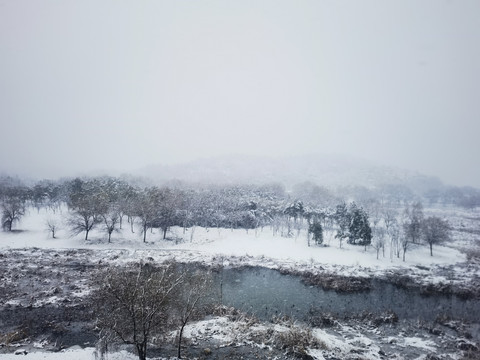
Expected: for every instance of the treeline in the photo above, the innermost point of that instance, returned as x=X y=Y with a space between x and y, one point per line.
x=358 y=215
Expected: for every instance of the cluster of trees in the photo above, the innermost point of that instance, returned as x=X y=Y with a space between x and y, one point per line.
x=389 y=194
x=353 y=224
x=407 y=228
x=108 y=202
x=13 y=198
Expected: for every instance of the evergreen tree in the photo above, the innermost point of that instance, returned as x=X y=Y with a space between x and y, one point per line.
x=360 y=232
x=315 y=229
x=342 y=217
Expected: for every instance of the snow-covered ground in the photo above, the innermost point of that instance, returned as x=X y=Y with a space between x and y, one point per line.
x=210 y=242
x=261 y=248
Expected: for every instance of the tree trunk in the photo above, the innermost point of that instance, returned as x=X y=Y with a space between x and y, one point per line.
x=180 y=339
x=109 y=236
x=165 y=232
x=431 y=249
x=192 y=231
x=142 y=352
x=86 y=235
x=145 y=233
x=130 y=220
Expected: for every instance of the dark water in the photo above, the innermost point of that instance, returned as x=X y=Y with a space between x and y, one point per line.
x=266 y=293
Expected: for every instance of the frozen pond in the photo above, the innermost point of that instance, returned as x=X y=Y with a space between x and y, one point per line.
x=265 y=293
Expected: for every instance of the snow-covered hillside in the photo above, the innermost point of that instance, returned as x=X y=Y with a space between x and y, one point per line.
x=326 y=170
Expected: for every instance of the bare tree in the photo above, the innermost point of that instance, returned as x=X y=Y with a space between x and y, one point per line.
x=88 y=200
x=52 y=227
x=133 y=303
x=379 y=240
x=435 y=231
x=194 y=288
x=405 y=244
x=111 y=220
x=166 y=208
x=13 y=208
x=389 y=215
x=145 y=209
x=395 y=243
x=83 y=220
x=413 y=217
x=412 y=226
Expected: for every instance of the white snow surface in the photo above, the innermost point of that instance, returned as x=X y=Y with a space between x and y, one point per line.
x=259 y=246
x=73 y=353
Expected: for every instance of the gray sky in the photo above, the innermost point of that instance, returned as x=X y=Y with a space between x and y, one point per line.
x=88 y=85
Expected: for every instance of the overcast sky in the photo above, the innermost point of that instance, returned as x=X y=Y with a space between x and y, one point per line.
x=88 y=85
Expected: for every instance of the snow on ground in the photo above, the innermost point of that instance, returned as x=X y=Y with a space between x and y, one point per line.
x=260 y=248
x=221 y=242
x=419 y=343
x=237 y=247
x=74 y=353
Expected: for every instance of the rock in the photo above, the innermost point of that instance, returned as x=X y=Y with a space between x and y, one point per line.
x=436 y=331
x=466 y=346
x=390 y=318
x=207 y=351
x=21 y=352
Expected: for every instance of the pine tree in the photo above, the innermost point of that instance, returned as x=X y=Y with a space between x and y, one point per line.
x=360 y=230
x=316 y=230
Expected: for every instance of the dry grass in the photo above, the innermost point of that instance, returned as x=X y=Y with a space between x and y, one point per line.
x=13 y=337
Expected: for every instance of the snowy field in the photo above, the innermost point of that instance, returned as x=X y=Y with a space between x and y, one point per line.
x=261 y=248
x=260 y=244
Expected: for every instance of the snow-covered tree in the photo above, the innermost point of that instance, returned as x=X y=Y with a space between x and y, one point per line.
x=316 y=231
x=133 y=305
x=13 y=208
x=360 y=232
x=394 y=232
x=378 y=242
x=87 y=202
x=412 y=223
x=145 y=209
x=343 y=220
x=168 y=201
x=435 y=231
x=111 y=219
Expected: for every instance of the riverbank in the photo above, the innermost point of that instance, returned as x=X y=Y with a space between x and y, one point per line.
x=45 y=292
x=45 y=303
x=230 y=334
x=454 y=267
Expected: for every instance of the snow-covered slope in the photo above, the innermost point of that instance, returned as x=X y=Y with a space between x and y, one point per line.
x=326 y=170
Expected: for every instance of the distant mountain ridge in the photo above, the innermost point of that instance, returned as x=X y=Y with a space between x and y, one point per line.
x=325 y=170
